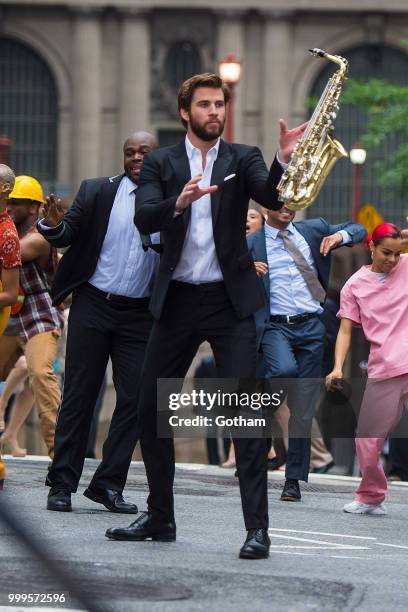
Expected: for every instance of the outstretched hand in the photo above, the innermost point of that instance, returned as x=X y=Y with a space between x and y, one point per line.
x=53 y=211
x=288 y=139
x=330 y=242
x=192 y=192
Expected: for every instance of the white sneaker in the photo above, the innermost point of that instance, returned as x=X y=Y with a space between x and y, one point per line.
x=356 y=507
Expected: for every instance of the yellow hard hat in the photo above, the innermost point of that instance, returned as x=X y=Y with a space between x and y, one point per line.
x=27 y=188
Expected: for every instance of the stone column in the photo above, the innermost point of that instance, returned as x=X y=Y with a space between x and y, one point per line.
x=276 y=101
x=134 y=71
x=230 y=39
x=253 y=81
x=86 y=62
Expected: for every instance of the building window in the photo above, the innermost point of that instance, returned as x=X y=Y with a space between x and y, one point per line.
x=28 y=111
x=335 y=199
x=182 y=61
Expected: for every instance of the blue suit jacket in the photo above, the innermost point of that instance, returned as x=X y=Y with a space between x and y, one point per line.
x=313 y=231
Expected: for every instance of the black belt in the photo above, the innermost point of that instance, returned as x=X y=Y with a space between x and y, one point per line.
x=210 y=285
x=113 y=297
x=293 y=319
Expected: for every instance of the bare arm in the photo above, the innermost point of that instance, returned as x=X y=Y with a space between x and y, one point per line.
x=10 y=281
x=342 y=348
x=34 y=246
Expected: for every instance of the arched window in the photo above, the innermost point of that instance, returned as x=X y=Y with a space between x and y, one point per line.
x=182 y=61
x=335 y=199
x=28 y=111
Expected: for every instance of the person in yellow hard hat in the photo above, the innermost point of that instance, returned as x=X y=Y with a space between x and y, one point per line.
x=36 y=328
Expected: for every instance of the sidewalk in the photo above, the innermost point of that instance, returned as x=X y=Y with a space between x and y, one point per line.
x=321 y=559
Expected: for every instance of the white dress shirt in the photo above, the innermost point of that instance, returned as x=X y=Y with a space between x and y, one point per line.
x=199 y=262
x=289 y=293
x=123 y=267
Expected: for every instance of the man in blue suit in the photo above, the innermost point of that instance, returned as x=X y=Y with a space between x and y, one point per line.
x=293 y=262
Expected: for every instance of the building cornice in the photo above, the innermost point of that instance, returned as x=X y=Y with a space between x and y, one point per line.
x=362 y=6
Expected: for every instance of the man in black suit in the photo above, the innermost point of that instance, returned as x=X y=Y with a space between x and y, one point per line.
x=109 y=270
x=197 y=194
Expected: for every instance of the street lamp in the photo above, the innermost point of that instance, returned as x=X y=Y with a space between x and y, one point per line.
x=357 y=157
x=230 y=72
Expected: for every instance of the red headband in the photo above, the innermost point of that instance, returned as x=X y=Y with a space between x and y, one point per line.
x=383 y=230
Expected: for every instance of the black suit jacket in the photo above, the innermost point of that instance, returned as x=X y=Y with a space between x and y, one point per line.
x=163 y=176
x=83 y=230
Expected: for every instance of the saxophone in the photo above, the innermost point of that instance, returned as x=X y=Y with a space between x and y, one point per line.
x=317 y=151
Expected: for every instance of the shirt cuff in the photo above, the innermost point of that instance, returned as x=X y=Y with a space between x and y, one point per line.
x=346 y=236
x=46 y=228
x=283 y=164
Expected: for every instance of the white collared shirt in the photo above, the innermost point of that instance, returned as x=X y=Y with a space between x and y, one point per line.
x=199 y=262
x=289 y=293
x=123 y=267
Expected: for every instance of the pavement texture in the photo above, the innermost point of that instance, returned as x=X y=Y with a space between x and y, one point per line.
x=321 y=558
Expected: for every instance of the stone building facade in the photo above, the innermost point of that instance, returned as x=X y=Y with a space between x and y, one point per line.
x=110 y=67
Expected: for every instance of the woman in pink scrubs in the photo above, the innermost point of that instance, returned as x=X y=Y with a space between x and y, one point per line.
x=376 y=298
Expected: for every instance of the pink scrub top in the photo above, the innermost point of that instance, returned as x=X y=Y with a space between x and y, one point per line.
x=381 y=309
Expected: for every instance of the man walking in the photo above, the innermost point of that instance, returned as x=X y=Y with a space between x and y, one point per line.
x=109 y=271
x=197 y=194
x=293 y=260
x=36 y=328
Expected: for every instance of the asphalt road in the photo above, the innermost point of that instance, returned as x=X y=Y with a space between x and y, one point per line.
x=321 y=558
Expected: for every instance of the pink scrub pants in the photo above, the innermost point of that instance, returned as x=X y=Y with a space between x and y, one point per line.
x=381 y=410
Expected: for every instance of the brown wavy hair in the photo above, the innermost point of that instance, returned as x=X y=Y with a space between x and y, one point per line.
x=187 y=89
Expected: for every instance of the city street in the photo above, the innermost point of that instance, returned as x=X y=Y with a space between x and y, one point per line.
x=321 y=558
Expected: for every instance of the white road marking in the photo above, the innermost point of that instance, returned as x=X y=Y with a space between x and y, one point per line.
x=333 y=544
x=392 y=545
x=347 y=557
x=289 y=552
x=331 y=547
x=324 y=533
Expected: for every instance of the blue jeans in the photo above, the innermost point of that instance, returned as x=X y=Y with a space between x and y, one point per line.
x=295 y=351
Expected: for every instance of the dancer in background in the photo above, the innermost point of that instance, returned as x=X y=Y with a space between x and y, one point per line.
x=376 y=299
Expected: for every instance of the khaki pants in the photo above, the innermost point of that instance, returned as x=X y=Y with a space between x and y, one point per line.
x=40 y=352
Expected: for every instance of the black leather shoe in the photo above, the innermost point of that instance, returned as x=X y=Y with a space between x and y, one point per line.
x=112 y=500
x=291 y=491
x=59 y=499
x=324 y=468
x=144 y=528
x=256 y=545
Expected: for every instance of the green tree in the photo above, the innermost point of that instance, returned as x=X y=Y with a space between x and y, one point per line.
x=386 y=105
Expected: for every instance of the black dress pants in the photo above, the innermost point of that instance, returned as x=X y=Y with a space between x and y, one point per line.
x=192 y=314
x=98 y=329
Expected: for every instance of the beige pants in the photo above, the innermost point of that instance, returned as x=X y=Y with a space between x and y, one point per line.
x=319 y=454
x=40 y=352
